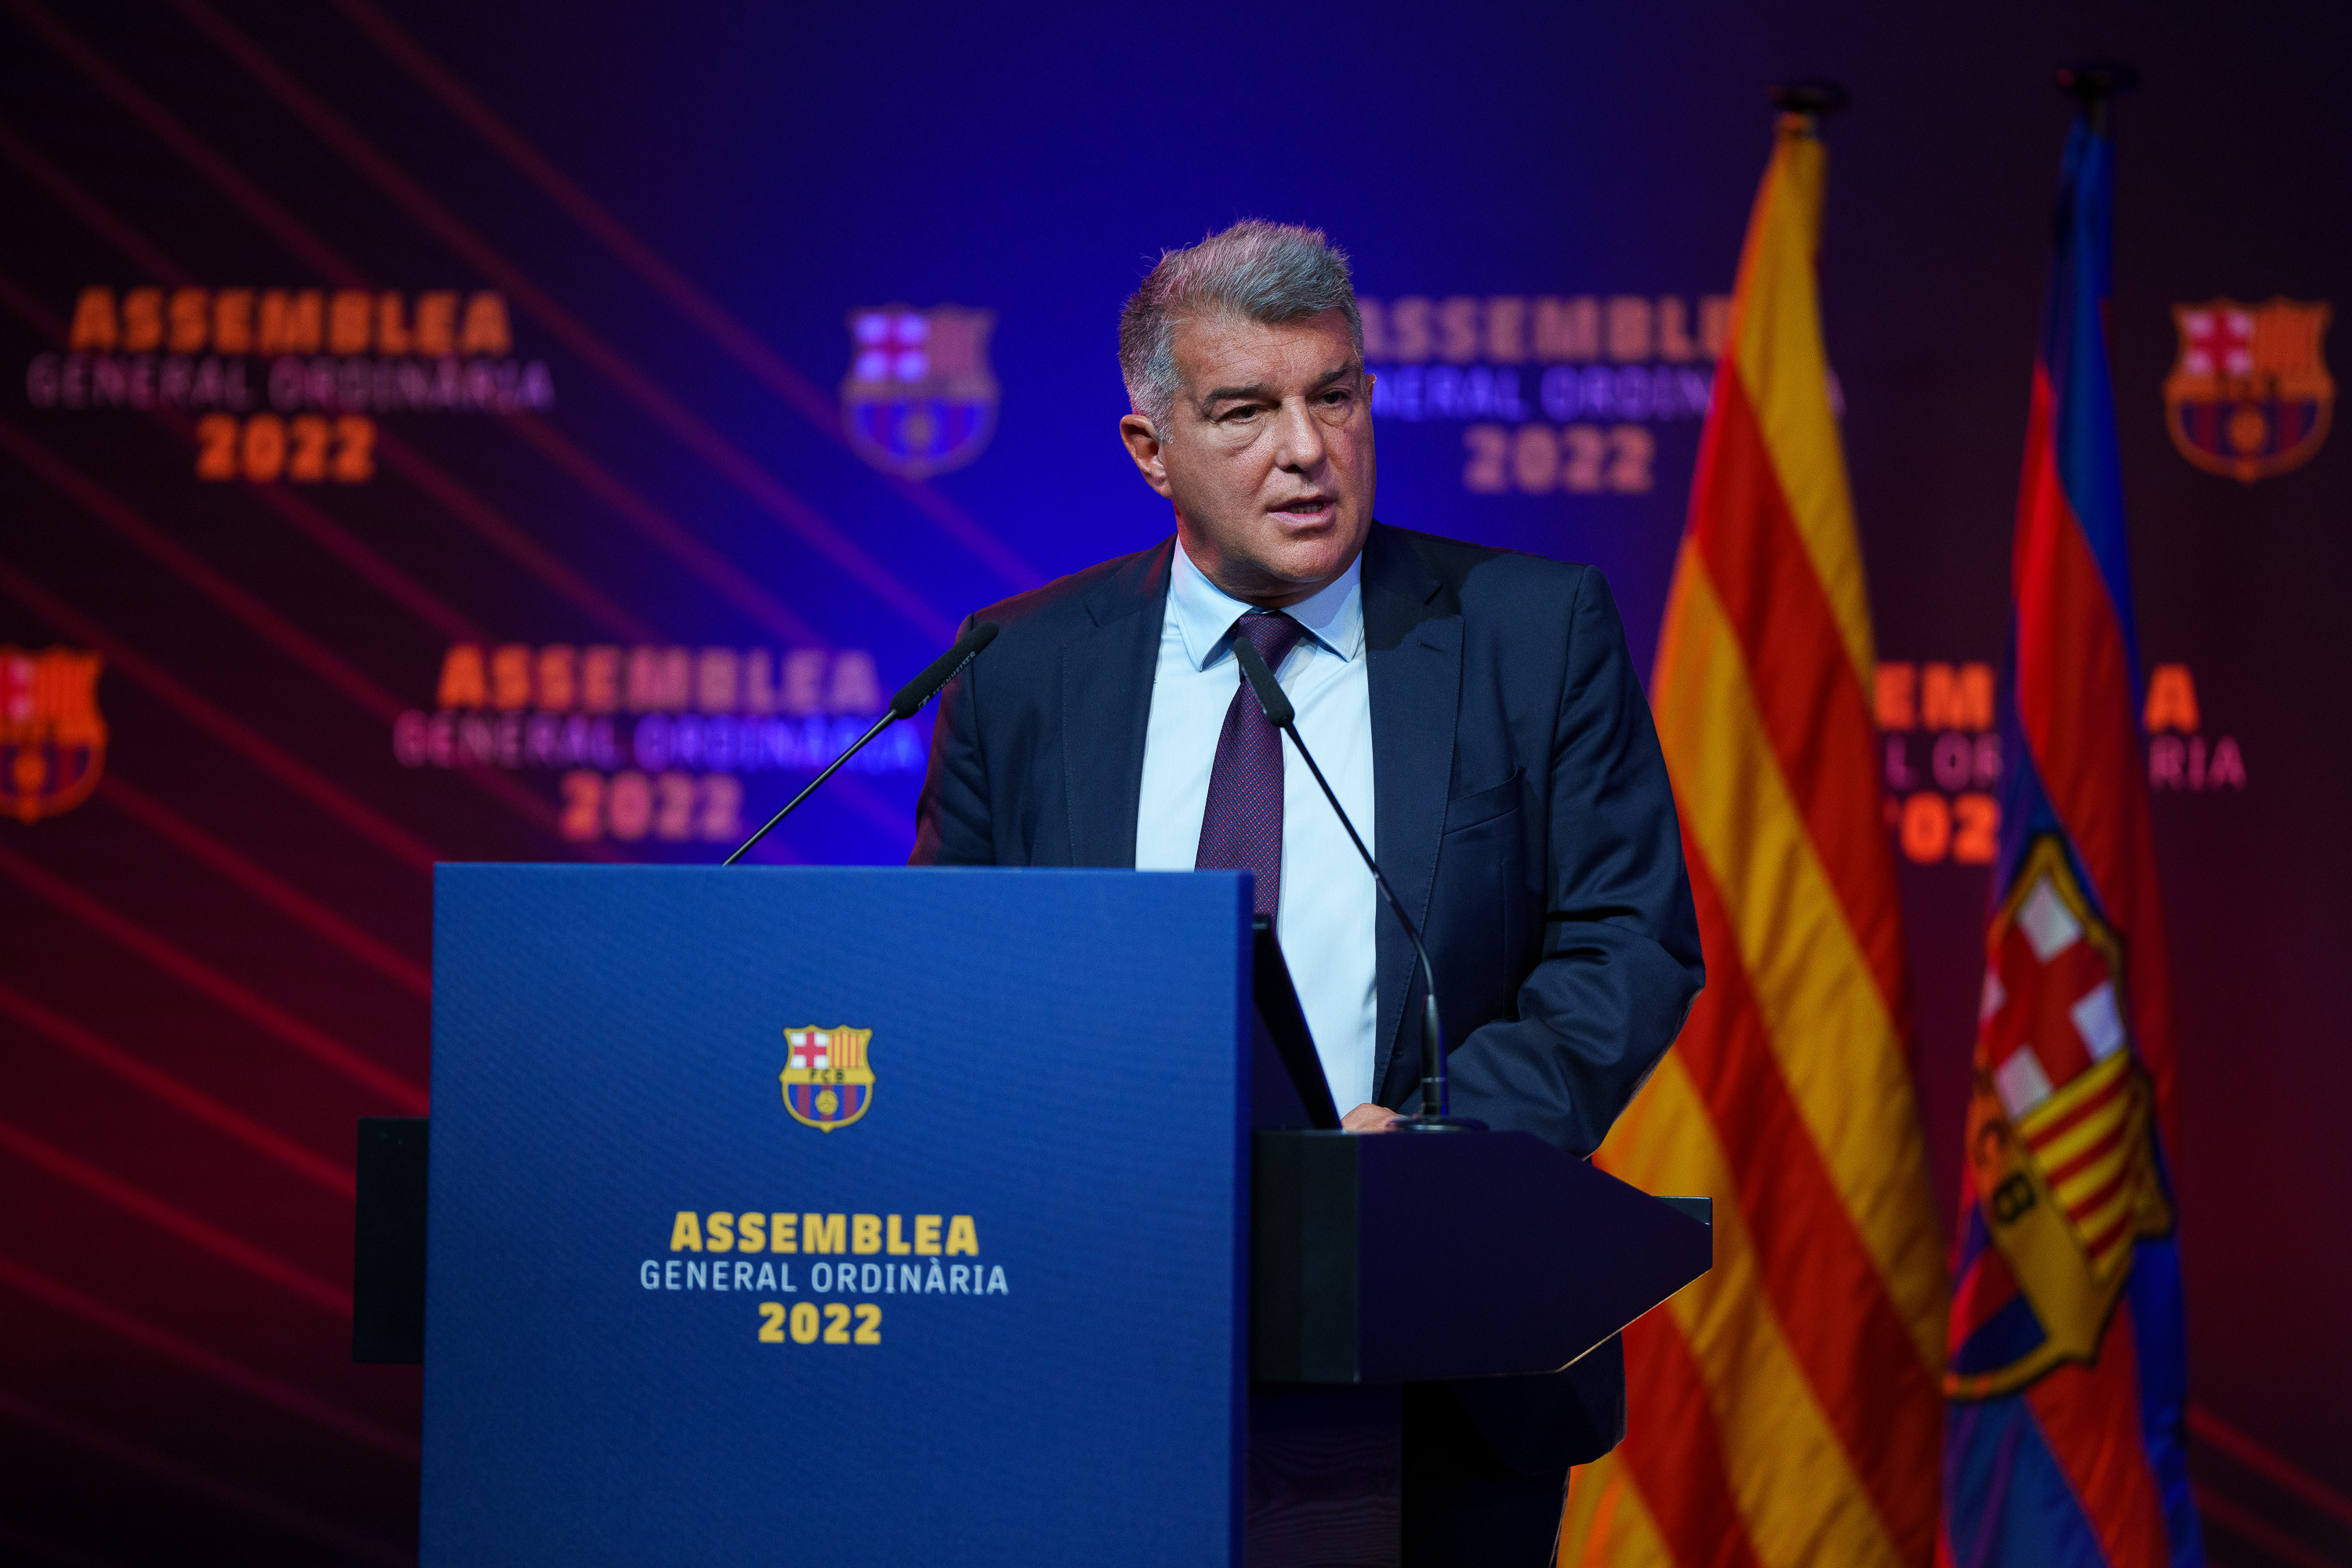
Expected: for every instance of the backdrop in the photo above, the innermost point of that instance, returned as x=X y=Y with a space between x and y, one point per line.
x=540 y=432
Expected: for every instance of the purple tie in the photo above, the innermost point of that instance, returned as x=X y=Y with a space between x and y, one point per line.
x=1242 y=828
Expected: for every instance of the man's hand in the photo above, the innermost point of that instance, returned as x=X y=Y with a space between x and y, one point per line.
x=1368 y=1118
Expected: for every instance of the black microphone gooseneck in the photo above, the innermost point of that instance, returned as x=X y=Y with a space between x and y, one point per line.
x=1433 y=1116
x=904 y=705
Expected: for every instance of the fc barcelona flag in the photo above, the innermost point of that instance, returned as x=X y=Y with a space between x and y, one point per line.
x=2063 y=1426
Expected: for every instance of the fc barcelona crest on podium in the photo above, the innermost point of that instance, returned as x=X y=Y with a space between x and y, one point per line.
x=919 y=398
x=827 y=1084
x=2250 y=394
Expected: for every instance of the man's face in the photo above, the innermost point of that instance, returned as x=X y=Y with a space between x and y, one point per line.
x=1268 y=454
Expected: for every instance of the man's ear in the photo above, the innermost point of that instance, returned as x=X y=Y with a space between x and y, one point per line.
x=1143 y=444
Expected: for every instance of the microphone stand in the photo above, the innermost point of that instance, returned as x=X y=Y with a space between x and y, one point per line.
x=889 y=718
x=1434 y=1115
x=904 y=705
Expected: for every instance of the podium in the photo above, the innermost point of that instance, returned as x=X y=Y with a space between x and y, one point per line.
x=868 y=1215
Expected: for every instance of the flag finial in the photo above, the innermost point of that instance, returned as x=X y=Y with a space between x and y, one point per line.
x=1812 y=96
x=2096 y=82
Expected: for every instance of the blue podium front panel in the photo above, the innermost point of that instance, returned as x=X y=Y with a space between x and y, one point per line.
x=836 y=1216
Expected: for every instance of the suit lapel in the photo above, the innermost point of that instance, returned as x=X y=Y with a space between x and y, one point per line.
x=1413 y=650
x=1107 y=678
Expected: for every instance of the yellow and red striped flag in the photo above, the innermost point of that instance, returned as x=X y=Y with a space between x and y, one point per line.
x=1784 y=1410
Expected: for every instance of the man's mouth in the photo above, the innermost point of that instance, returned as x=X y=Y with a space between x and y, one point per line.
x=1305 y=507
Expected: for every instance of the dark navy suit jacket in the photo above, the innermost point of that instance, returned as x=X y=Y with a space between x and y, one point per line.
x=1521 y=811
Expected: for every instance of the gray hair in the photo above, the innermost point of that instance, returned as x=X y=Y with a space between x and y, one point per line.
x=1272 y=273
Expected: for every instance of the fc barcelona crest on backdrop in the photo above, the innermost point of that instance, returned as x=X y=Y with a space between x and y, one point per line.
x=919 y=398
x=2060 y=1146
x=52 y=739
x=827 y=1084
x=2250 y=394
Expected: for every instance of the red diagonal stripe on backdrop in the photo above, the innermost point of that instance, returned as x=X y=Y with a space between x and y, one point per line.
x=1674 y=1448
x=2268 y=1463
x=2212 y=1507
x=685 y=425
x=1827 y=1295
x=213 y=584
x=378 y=573
x=732 y=583
x=797 y=391
x=64 y=1032
x=179 y=1222
x=264 y=621
x=1810 y=698
x=491 y=524
x=37 y=315
x=197 y=975
x=227 y=1494
x=32 y=1548
x=304 y=910
x=229 y=731
x=165 y=129
x=76 y=201
x=61 y=1297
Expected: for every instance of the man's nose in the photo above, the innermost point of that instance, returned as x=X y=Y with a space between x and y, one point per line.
x=1299 y=438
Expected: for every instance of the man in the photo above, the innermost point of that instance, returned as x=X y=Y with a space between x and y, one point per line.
x=1477 y=712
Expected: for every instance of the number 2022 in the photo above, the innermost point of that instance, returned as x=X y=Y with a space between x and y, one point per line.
x=803 y=1323
x=307 y=449
x=1535 y=460
x=673 y=806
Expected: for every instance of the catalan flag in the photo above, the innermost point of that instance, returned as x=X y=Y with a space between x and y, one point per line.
x=1786 y=1409
x=2065 y=1434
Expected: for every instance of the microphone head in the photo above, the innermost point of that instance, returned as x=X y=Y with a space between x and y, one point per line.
x=940 y=670
x=1262 y=682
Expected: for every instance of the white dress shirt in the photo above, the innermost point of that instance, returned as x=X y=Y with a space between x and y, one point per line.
x=1328 y=901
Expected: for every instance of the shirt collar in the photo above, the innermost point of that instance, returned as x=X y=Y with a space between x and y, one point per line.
x=1333 y=614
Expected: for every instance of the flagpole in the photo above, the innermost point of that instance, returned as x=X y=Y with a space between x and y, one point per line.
x=2095 y=84
x=1812 y=97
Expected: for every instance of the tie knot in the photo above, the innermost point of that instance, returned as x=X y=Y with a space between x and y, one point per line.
x=1272 y=633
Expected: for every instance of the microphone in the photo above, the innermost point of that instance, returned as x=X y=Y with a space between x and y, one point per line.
x=904 y=705
x=1433 y=1116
